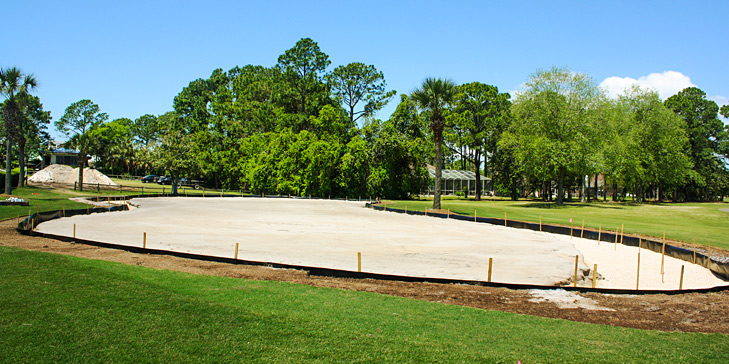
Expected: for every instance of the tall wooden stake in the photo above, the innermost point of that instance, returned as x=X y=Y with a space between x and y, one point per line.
x=582 y=232
x=144 y=240
x=622 y=232
x=540 y=223
x=599 y=235
x=577 y=257
x=236 y=251
x=491 y=262
x=359 y=261
x=680 y=282
x=663 y=251
x=637 y=275
x=594 y=275
x=694 y=250
x=505 y=219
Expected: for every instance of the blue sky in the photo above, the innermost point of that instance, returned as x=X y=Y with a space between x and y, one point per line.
x=133 y=57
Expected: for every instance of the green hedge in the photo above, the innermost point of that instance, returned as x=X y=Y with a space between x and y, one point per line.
x=15 y=173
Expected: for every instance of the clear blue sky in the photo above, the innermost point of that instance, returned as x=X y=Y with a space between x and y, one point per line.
x=133 y=57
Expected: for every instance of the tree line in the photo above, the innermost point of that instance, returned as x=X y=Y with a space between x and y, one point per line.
x=295 y=128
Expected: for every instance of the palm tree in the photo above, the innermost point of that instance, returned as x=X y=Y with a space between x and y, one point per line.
x=12 y=84
x=434 y=96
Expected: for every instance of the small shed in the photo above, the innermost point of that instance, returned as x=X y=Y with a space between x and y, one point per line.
x=454 y=180
x=68 y=157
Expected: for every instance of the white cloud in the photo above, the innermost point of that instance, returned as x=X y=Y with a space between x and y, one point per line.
x=666 y=84
x=720 y=100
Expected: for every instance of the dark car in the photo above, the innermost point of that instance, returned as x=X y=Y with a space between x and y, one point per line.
x=165 y=180
x=189 y=182
x=150 y=178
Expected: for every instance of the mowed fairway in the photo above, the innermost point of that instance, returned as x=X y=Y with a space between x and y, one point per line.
x=681 y=221
x=59 y=309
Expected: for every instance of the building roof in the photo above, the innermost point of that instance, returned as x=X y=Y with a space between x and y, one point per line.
x=456 y=174
x=64 y=151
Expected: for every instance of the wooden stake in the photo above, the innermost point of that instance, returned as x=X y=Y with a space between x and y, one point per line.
x=505 y=219
x=599 y=235
x=594 y=275
x=64 y=210
x=577 y=257
x=637 y=275
x=236 y=251
x=615 y=245
x=449 y=214
x=622 y=232
x=359 y=261
x=663 y=252
x=540 y=223
x=475 y=215
x=74 y=232
x=694 y=250
x=582 y=232
x=491 y=263
x=680 y=282
x=572 y=227
x=144 y=241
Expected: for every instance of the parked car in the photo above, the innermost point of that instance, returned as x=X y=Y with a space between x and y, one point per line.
x=189 y=182
x=150 y=178
x=165 y=180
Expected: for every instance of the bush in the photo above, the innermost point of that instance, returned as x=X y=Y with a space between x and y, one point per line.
x=15 y=173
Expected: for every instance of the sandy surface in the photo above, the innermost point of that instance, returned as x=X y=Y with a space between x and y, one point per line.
x=62 y=174
x=330 y=233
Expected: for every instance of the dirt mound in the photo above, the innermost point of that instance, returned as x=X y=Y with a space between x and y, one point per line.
x=59 y=173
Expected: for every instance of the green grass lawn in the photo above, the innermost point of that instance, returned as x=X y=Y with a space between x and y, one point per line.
x=681 y=221
x=64 y=309
x=41 y=200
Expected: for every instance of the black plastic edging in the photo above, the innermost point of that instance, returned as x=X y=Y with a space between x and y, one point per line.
x=719 y=269
x=35 y=219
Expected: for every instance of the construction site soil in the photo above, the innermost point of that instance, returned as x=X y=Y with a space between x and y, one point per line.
x=689 y=312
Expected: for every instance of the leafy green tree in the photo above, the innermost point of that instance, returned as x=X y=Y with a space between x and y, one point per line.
x=303 y=66
x=645 y=144
x=12 y=84
x=175 y=152
x=708 y=140
x=434 y=96
x=145 y=130
x=358 y=82
x=480 y=112
x=32 y=129
x=80 y=118
x=554 y=115
x=112 y=144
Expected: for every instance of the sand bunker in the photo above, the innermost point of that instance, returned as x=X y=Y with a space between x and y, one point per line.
x=62 y=174
x=329 y=234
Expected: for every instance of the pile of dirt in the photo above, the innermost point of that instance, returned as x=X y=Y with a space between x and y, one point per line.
x=59 y=173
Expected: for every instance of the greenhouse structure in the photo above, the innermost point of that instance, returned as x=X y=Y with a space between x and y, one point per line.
x=457 y=181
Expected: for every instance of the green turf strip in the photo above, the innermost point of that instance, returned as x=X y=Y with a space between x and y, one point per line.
x=63 y=309
x=681 y=221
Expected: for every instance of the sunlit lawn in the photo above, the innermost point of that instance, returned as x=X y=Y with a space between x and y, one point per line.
x=680 y=221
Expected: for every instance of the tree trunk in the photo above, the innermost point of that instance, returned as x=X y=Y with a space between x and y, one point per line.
x=173 y=187
x=8 y=166
x=477 y=169
x=597 y=188
x=438 y=139
x=615 y=191
x=21 y=160
x=582 y=188
x=81 y=164
x=550 y=190
x=560 y=186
